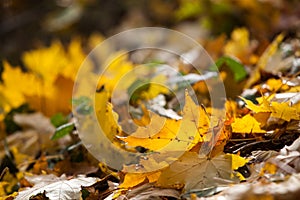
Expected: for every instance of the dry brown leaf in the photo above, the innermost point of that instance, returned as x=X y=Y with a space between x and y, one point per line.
x=197 y=172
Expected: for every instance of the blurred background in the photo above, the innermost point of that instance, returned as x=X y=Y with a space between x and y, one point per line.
x=28 y=24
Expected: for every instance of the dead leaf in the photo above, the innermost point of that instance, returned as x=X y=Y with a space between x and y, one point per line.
x=196 y=171
x=36 y=121
x=56 y=187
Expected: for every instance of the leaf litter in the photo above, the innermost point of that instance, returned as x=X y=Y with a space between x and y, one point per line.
x=256 y=154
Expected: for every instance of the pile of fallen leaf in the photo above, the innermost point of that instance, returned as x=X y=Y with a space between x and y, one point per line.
x=256 y=155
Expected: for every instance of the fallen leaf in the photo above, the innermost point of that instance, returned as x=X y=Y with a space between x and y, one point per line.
x=36 y=121
x=196 y=171
x=106 y=117
x=246 y=124
x=134 y=179
x=167 y=134
x=56 y=187
x=284 y=111
x=156 y=135
x=263 y=107
x=278 y=110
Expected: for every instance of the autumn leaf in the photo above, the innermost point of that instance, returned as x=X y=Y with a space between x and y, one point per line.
x=238 y=161
x=165 y=151
x=276 y=84
x=51 y=75
x=246 y=124
x=263 y=107
x=117 y=65
x=56 y=187
x=167 y=134
x=16 y=85
x=284 y=111
x=278 y=110
x=107 y=118
x=156 y=135
x=134 y=179
x=196 y=171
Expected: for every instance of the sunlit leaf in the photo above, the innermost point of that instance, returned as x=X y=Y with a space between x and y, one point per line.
x=134 y=179
x=174 y=135
x=278 y=110
x=246 y=124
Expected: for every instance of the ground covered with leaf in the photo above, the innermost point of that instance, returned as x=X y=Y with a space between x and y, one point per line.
x=256 y=154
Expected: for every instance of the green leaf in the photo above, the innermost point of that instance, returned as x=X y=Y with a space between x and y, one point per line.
x=237 y=68
x=58 y=119
x=63 y=130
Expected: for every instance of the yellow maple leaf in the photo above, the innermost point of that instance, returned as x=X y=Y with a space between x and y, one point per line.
x=168 y=134
x=156 y=135
x=263 y=107
x=281 y=110
x=134 y=179
x=50 y=78
x=49 y=62
x=46 y=62
x=16 y=85
x=284 y=111
x=246 y=124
